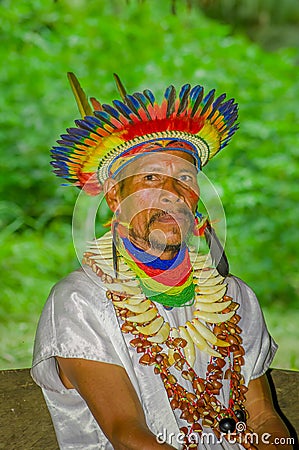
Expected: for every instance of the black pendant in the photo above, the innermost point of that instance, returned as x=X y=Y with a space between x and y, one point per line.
x=240 y=415
x=227 y=425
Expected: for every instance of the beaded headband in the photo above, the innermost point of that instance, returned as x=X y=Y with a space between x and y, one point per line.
x=110 y=136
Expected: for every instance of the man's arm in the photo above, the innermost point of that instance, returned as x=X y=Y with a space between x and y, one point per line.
x=112 y=399
x=263 y=417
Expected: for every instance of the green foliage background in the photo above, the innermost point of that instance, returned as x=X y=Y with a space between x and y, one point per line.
x=256 y=176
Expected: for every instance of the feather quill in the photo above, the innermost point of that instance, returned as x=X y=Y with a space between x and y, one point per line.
x=80 y=96
x=120 y=87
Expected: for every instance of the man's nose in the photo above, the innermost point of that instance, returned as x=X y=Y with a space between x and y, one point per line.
x=170 y=192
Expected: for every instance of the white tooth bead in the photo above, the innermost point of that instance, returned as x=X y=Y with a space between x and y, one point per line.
x=171 y=359
x=162 y=335
x=152 y=327
x=198 y=340
x=174 y=333
x=209 y=281
x=189 y=349
x=139 y=308
x=135 y=299
x=205 y=274
x=212 y=307
x=218 y=288
x=204 y=331
x=147 y=316
x=207 y=299
x=124 y=288
x=213 y=317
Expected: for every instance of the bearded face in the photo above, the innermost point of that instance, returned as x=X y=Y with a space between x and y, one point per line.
x=157 y=198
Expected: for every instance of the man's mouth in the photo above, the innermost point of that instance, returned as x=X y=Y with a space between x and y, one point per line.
x=169 y=217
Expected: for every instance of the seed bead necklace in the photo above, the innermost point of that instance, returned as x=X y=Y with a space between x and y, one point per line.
x=164 y=347
x=169 y=282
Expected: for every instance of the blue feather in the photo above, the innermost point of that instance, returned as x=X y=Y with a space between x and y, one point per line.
x=80 y=132
x=123 y=109
x=216 y=105
x=207 y=101
x=226 y=106
x=110 y=110
x=144 y=102
x=69 y=138
x=105 y=118
x=133 y=103
x=184 y=89
x=94 y=120
x=183 y=96
x=149 y=95
x=196 y=95
x=170 y=96
x=66 y=143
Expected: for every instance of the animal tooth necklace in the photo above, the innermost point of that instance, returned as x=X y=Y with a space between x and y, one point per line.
x=167 y=348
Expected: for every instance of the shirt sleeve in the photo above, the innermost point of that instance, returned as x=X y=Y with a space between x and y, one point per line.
x=259 y=346
x=77 y=322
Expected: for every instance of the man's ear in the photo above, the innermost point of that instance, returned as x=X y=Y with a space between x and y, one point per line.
x=111 y=192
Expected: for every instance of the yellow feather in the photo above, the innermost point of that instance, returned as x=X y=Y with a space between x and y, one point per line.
x=80 y=96
x=120 y=87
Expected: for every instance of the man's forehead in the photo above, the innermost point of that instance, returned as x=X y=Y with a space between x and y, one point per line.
x=161 y=162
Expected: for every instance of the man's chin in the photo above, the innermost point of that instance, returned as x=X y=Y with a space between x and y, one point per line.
x=168 y=235
x=165 y=248
x=165 y=242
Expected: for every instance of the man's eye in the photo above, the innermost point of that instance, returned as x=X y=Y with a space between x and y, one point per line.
x=150 y=177
x=186 y=178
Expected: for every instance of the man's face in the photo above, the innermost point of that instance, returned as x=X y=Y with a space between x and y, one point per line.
x=157 y=198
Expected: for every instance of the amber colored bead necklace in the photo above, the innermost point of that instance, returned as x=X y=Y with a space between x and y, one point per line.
x=164 y=347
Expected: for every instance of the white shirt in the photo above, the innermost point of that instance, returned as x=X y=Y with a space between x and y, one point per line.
x=78 y=321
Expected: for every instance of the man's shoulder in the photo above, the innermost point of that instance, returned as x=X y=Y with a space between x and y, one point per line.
x=237 y=284
x=82 y=282
x=83 y=274
x=243 y=294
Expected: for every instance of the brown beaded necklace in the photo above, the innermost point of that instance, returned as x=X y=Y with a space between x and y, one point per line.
x=199 y=406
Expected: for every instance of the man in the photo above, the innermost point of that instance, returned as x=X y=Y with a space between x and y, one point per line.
x=153 y=344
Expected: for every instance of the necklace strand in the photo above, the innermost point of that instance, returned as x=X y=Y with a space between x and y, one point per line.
x=163 y=347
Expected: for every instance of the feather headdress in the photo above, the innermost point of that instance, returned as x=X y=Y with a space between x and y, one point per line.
x=110 y=136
